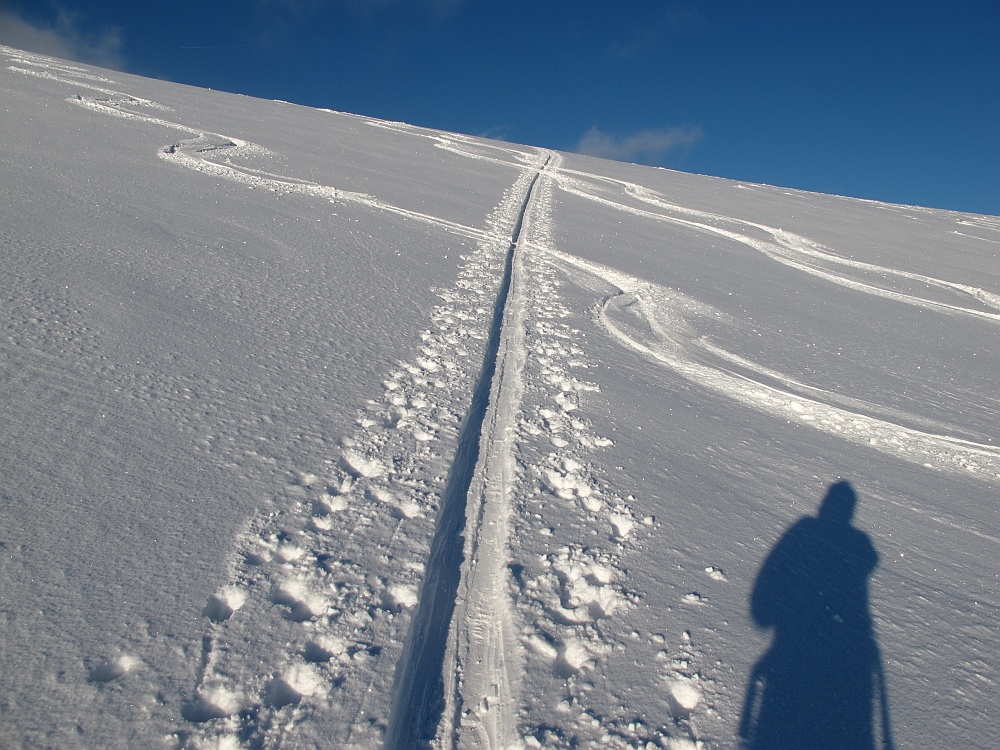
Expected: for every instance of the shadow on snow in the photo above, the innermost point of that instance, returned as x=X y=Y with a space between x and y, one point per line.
x=820 y=683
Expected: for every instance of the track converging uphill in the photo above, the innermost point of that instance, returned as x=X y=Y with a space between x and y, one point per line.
x=464 y=534
x=462 y=639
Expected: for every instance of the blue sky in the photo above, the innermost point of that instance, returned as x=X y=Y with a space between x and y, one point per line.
x=896 y=100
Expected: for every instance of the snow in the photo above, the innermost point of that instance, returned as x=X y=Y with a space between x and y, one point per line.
x=323 y=431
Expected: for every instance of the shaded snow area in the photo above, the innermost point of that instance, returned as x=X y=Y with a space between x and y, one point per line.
x=327 y=432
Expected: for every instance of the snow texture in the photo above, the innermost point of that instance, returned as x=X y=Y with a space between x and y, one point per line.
x=325 y=431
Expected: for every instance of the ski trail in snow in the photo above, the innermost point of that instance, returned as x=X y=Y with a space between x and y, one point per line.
x=336 y=568
x=303 y=638
x=213 y=153
x=194 y=153
x=490 y=621
x=572 y=530
x=796 y=251
x=483 y=650
x=464 y=145
x=655 y=322
x=53 y=70
x=788 y=248
x=782 y=246
x=477 y=625
x=453 y=591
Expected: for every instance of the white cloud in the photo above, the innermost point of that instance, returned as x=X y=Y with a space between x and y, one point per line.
x=645 y=146
x=62 y=39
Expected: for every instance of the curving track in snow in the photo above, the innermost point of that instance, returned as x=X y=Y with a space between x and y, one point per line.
x=657 y=323
x=427 y=643
x=344 y=626
x=792 y=250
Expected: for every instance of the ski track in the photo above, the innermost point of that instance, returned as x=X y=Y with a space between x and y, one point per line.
x=572 y=532
x=454 y=471
x=794 y=251
x=305 y=634
x=308 y=629
x=657 y=322
x=384 y=492
x=482 y=654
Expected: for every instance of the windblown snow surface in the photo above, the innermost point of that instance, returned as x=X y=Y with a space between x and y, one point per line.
x=324 y=431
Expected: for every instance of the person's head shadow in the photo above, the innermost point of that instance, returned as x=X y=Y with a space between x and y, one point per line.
x=818 y=685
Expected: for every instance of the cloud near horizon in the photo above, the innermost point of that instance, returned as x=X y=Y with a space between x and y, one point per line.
x=62 y=39
x=644 y=147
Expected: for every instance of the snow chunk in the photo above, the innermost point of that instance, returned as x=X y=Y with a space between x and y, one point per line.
x=621 y=525
x=542 y=647
x=288 y=552
x=401 y=596
x=682 y=743
x=331 y=503
x=716 y=574
x=305 y=479
x=320 y=523
x=684 y=697
x=217 y=742
x=407 y=509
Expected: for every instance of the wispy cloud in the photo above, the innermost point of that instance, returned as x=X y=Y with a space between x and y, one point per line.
x=63 y=38
x=496 y=133
x=648 y=146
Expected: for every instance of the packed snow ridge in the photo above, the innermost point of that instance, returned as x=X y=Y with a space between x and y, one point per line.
x=335 y=432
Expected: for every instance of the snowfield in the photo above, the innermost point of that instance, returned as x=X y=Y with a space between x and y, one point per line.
x=321 y=431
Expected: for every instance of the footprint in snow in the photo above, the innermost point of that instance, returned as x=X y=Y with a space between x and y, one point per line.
x=224 y=603
x=112 y=669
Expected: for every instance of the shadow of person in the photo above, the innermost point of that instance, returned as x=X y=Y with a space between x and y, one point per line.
x=817 y=687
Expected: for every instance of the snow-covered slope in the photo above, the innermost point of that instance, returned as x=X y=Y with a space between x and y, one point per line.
x=321 y=431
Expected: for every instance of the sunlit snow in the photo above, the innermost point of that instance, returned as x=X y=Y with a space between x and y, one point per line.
x=325 y=431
